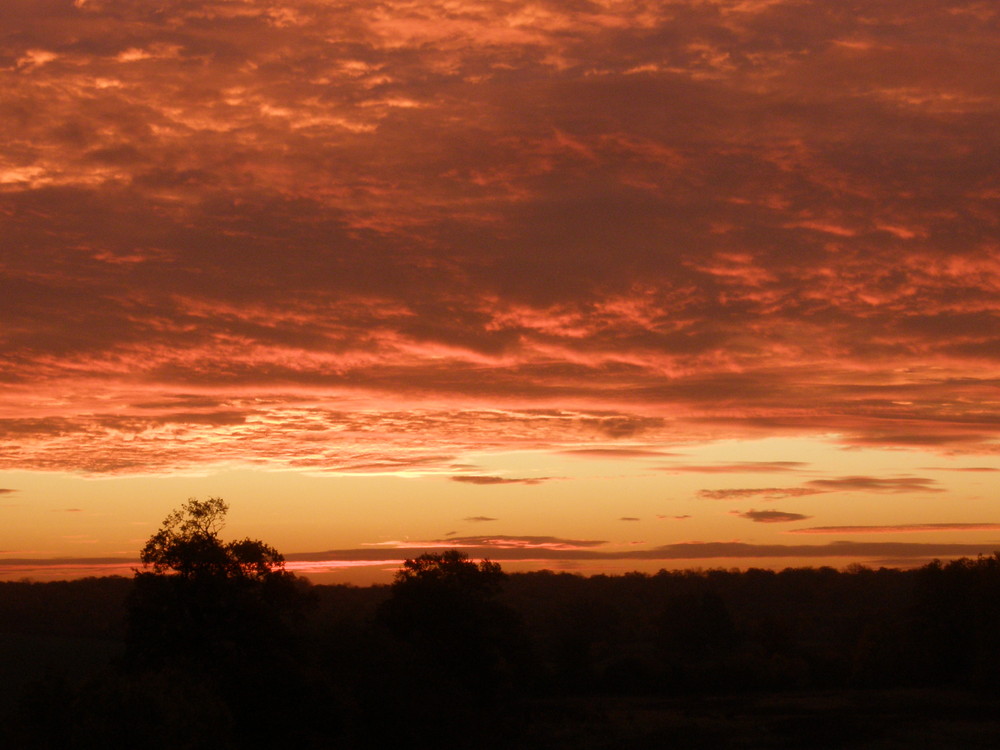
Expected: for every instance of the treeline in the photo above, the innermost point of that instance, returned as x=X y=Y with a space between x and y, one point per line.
x=460 y=654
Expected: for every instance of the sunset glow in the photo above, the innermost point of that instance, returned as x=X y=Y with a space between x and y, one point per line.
x=593 y=286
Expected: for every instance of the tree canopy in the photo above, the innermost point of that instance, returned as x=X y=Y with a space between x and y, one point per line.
x=445 y=606
x=188 y=544
x=199 y=598
x=450 y=569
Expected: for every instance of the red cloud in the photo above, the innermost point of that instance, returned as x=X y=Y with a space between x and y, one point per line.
x=206 y=244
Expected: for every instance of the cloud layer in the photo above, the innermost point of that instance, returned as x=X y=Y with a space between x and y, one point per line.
x=372 y=236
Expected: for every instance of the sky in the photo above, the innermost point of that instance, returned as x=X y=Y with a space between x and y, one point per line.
x=589 y=285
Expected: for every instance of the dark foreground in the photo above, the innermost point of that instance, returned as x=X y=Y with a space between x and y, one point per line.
x=460 y=656
x=876 y=719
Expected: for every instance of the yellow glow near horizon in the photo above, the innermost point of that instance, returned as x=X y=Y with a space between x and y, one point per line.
x=435 y=271
x=628 y=496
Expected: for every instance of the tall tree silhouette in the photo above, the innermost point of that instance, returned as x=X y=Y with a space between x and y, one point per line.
x=201 y=599
x=222 y=614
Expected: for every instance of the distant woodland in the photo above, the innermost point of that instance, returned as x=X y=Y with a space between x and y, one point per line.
x=459 y=654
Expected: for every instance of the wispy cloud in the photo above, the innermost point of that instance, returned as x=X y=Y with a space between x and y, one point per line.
x=766 y=493
x=771 y=516
x=482 y=479
x=739 y=468
x=898 y=528
x=479 y=519
x=498 y=541
x=834 y=484
x=541 y=549
x=617 y=453
x=876 y=484
x=550 y=548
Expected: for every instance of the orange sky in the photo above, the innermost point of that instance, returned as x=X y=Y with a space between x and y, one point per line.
x=601 y=284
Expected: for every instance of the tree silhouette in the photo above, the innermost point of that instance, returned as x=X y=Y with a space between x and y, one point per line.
x=450 y=570
x=188 y=544
x=445 y=605
x=956 y=616
x=463 y=650
x=207 y=601
x=442 y=602
x=223 y=614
